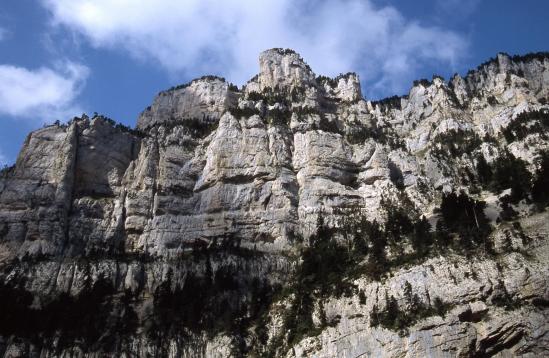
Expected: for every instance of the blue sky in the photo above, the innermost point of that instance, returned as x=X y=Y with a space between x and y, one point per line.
x=60 y=58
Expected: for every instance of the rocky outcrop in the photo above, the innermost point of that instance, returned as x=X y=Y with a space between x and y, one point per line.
x=193 y=234
x=283 y=69
x=204 y=98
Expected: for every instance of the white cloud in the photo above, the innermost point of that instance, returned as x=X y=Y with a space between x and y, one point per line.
x=224 y=37
x=43 y=94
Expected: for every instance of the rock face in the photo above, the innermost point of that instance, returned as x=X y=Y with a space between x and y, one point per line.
x=283 y=69
x=196 y=234
x=207 y=97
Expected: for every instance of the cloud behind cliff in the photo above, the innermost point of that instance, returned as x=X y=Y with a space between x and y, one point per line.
x=224 y=37
x=43 y=93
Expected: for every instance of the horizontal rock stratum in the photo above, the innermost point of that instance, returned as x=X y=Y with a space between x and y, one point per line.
x=288 y=218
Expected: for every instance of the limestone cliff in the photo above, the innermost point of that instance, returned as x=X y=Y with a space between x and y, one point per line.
x=291 y=217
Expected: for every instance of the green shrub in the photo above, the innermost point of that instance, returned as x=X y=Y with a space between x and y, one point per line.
x=254 y=96
x=507 y=212
x=395 y=175
x=526 y=123
x=511 y=172
x=202 y=303
x=361 y=297
x=540 y=187
x=332 y=82
x=376 y=264
x=272 y=96
x=389 y=103
x=508 y=172
x=455 y=143
x=359 y=133
x=423 y=82
x=86 y=317
x=422 y=238
x=484 y=171
x=398 y=224
x=465 y=216
x=396 y=319
x=324 y=265
x=200 y=127
x=247 y=112
x=279 y=117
